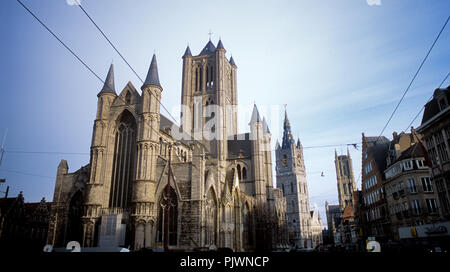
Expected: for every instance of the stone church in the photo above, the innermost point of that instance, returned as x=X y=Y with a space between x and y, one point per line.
x=197 y=186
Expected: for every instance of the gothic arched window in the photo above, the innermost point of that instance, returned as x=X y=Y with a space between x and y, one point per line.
x=211 y=218
x=247 y=227
x=239 y=171
x=123 y=161
x=244 y=173
x=172 y=205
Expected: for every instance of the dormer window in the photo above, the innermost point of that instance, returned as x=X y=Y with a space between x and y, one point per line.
x=407 y=165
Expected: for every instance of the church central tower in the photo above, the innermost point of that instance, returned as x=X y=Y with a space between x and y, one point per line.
x=291 y=178
x=209 y=97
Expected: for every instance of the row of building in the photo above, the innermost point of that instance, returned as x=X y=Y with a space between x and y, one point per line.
x=405 y=186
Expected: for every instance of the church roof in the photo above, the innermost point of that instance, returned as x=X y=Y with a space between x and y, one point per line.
x=232 y=61
x=287 y=134
x=208 y=49
x=187 y=52
x=277 y=145
x=152 y=75
x=265 y=126
x=108 y=86
x=220 y=45
x=255 y=115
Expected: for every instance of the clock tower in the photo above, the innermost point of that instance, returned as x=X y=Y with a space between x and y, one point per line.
x=291 y=179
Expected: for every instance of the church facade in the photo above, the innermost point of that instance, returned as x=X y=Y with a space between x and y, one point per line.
x=197 y=186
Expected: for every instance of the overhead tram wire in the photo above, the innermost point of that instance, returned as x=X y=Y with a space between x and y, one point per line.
x=26 y=174
x=56 y=37
x=86 y=153
x=414 y=77
x=123 y=58
x=72 y=52
x=423 y=107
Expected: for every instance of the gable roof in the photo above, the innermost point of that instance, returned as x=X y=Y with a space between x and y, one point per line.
x=208 y=49
x=432 y=107
x=379 y=147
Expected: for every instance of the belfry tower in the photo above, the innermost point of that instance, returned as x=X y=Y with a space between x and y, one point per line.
x=345 y=179
x=291 y=178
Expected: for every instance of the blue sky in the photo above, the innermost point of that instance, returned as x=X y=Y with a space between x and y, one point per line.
x=341 y=66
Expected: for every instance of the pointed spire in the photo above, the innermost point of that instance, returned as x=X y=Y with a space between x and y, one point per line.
x=255 y=116
x=220 y=45
x=152 y=75
x=109 y=87
x=287 y=134
x=299 y=144
x=265 y=126
x=277 y=145
x=286 y=123
x=187 y=52
x=208 y=49
x=232 y=61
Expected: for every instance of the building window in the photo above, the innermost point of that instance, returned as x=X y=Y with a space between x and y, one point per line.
x=412 y=186
x=440 y=143
x=173 y=216
x=123 y=161
x=407 y=165
x=368 y=167
x=431 y=205
x=244 y=173
x=426 y=185
x=292 y=187
x=420 y=164
x=415 y=205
